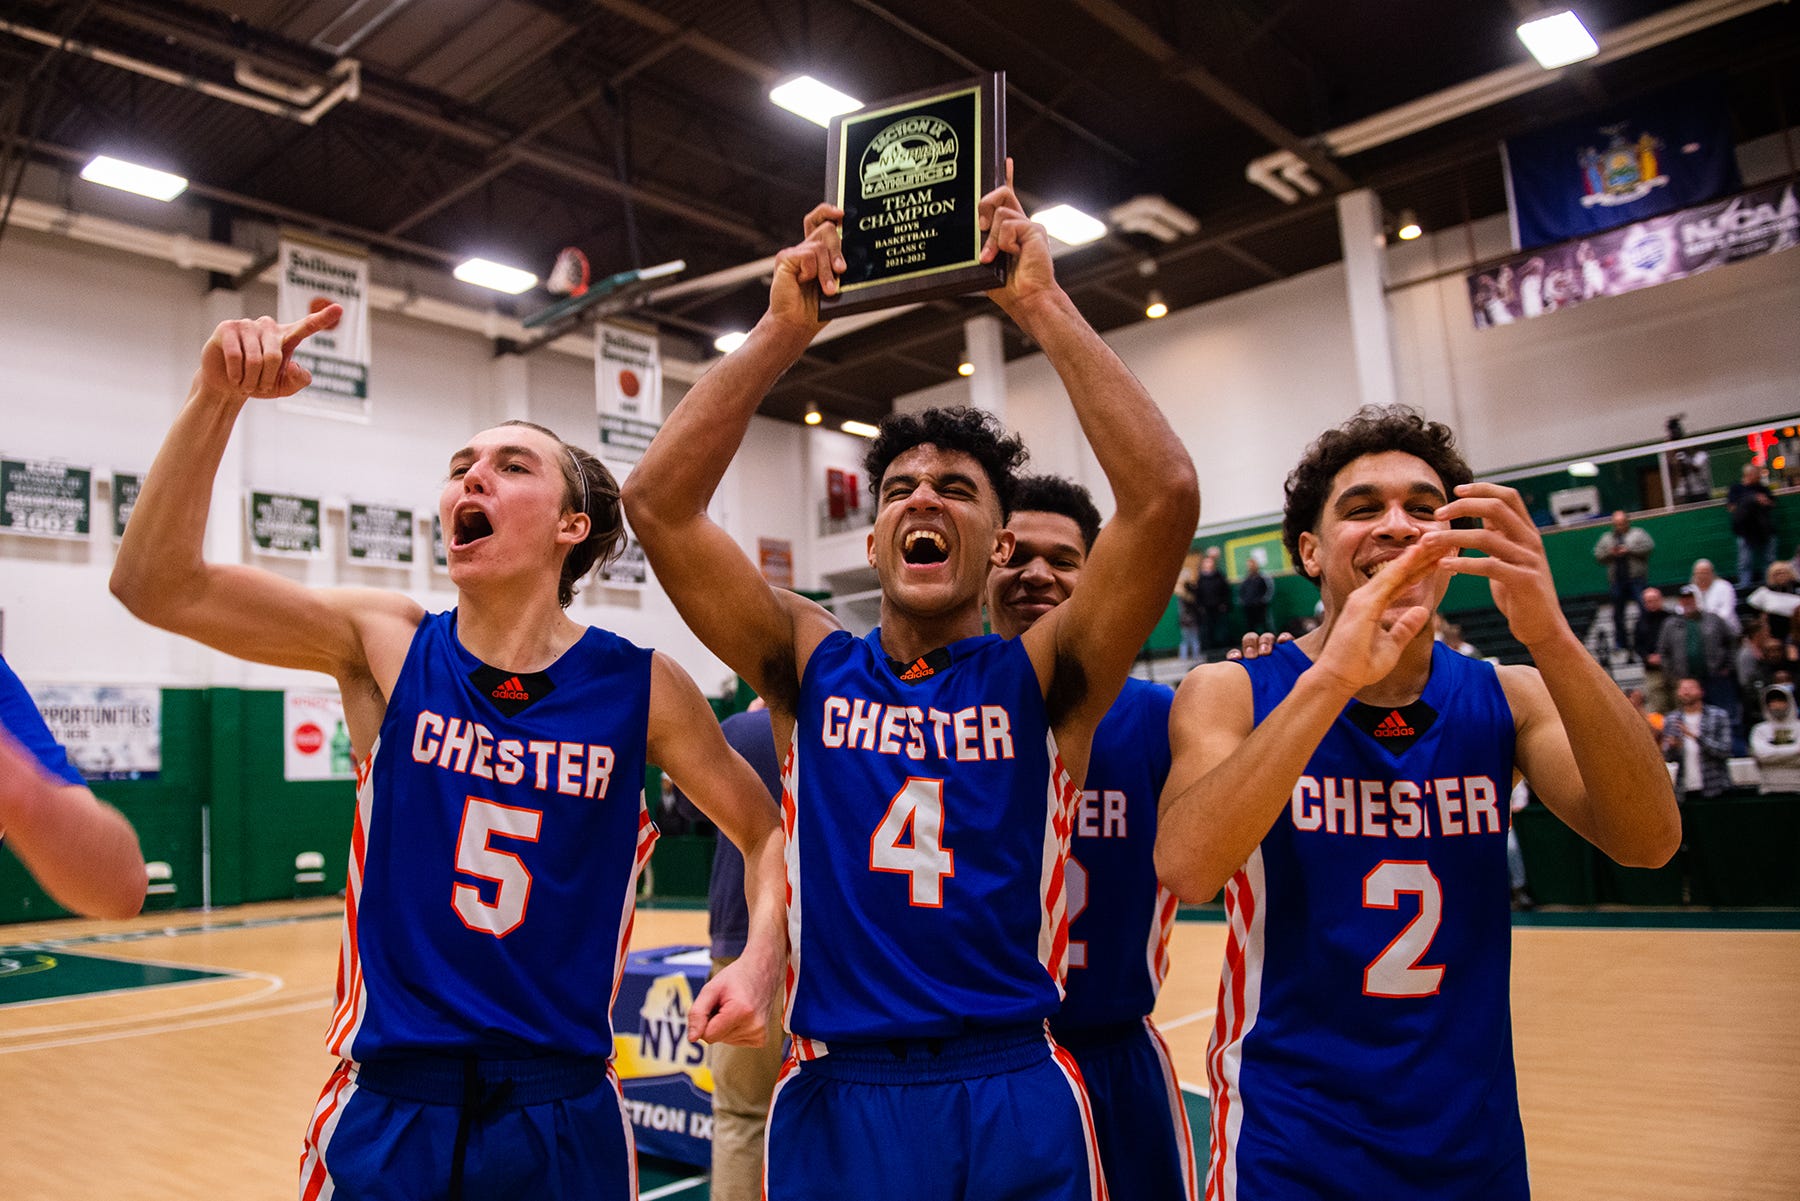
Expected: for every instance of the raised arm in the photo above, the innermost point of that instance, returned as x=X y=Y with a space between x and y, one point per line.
x=1587 y=753
x=685 y=741
x=761 y=632
x=161 y=574
x=1228 y=781
x=80 y=849
x=1131 y=572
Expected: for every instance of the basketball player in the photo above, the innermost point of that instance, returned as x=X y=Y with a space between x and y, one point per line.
x=927 y=769
x=81 y=850
x=1349 y=790
x=500 y=823
x=1119 y=916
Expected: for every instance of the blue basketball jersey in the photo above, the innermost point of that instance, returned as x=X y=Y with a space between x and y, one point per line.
x=500 y=829
x=1119 y=916
x=1363 y=1045
x=928 y=822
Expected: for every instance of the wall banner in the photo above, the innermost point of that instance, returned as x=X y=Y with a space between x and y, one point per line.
x=379 y=534
x=125 y=486
x=284 y=525
x=1753 y=223
x=311 y=276
x=110 y=733
x=628 y=385
x=315 y=740
x=44 y=499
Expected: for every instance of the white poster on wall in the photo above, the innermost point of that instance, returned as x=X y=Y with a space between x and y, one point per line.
x=110 y=733
x=311 y=276
x=315 y=740
x=628 y=385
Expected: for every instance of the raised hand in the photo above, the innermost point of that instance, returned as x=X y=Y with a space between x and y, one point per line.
x=254 y=357
x=1255 y=645
x=817 y=259
x=1515 y=566
x=1367 y=637
x=1010 y=231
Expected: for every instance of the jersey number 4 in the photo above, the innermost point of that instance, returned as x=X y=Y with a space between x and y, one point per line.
x=909 y=841
x=1396 y=972
x=484 y=821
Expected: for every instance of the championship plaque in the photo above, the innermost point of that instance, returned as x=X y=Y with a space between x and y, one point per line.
x=909 y=174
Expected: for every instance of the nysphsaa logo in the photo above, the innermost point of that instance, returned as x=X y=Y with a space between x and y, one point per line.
x=662 y=1028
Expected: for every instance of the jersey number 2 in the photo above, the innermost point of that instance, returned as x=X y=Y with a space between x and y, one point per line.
x=1396 y=972
x=910 y=841
x=484 y=821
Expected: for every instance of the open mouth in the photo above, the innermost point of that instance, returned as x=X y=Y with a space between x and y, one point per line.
x=471 y=526
x=925 y=547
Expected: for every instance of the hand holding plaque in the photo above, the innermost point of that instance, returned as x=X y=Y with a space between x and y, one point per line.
x=909 y=174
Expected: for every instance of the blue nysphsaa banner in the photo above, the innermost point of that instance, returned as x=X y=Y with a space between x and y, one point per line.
x=1663 y=152
x=1760 y=221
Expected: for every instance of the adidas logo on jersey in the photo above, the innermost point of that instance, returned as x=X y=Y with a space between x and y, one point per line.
x=1393 y=726
x=918 y=671
x=513 y=690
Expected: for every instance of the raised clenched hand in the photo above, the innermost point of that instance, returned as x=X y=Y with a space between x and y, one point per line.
x=254 y=356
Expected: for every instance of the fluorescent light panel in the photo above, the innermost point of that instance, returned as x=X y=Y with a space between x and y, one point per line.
x=1558 y=39
x=726 y=343
x=861 y=429
x=1583 y=470
x=130 y=177
x=1069 y=224
x=817 y=102
x=498 y=276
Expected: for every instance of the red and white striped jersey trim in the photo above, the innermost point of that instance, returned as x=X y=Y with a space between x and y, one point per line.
x=352 y=993
x=1190 y=1171
x=790 y=1067
x=1072 y=1073
x=315 y=1178
x=647 y=834
x=803 y=1048
x=1162 y=926
x=1240 y=999
x=612 y=1078
x=1060 y=801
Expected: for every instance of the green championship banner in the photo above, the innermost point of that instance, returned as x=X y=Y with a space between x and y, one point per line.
x=44 y=499
x=379 y=534
x=284 y=525
x=125 y=486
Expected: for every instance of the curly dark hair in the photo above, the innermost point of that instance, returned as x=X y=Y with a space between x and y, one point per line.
x=1374 y=429
x=975 y=432
x=1065 y=498
x=585 y=476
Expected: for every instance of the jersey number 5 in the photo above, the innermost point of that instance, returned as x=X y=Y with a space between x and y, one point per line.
x=484 y=821
x=1396 y=972
x=910 y=841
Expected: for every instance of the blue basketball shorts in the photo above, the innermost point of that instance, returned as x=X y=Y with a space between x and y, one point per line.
x=1145 y=1143
x=462 y=1130
x=999 y=1115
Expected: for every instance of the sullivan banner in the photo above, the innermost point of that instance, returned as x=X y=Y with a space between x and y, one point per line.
x=1760 y=221
x=1601 y=170
x=313 y=275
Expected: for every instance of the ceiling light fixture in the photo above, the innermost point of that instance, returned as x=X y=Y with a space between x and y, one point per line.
x=817 y=102
x=1154 y=305
x=1068 y=224
x=964 y=367
x=1409 y=227
x=131 y=177
x=1557 y=39
x=1583 y=470
x=484 y=273
x=812 y=415
x=726 y=343
x=861 y=429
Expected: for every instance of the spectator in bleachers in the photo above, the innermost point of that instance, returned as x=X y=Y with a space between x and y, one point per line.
x=1760 y=655
x=1697 y=737
x=1777 y=598
x=1775 y=741
x=1187 y=612
x=1716 y=595
x=1697 y=643
x=1652 y=616
x=1624 y=550
x=1451 y=635
x=1212 y=591
x=1752 y=508
x=1255 y=591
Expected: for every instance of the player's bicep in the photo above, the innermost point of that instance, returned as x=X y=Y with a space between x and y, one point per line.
x=684 y=740
x=1212 y=716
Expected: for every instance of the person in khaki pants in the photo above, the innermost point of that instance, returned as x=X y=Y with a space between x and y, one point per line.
x=743 y=1077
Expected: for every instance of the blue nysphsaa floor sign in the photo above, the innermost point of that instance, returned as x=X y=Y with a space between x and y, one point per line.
x=667 y=1081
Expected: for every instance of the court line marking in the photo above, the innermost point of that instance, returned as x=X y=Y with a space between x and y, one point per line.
x=669 y=1190
x=171 y=1028
x=1186 y=1019
x=273 y=985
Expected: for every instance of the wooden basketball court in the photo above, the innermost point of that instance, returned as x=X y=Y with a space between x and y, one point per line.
x=1653 y=1062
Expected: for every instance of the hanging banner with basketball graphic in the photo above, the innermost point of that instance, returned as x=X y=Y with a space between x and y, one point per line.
x=1606 y=169
x=313 y=274
x=315 y=739
x=628 y=379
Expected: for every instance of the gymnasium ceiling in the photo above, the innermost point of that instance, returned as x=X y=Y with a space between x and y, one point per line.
x=639 y=130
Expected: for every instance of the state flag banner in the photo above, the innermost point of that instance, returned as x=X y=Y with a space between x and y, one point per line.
x=1662 y=152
